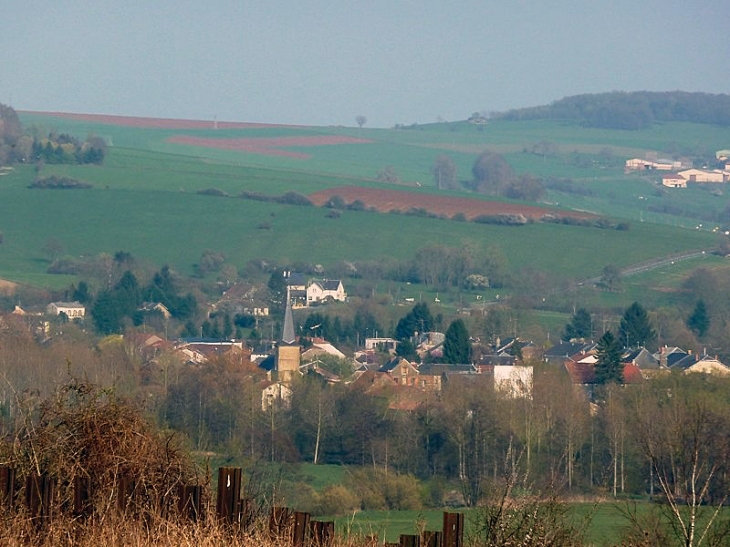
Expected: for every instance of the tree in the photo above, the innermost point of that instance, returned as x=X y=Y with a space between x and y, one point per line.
x=457 y=348
x=388 y=174
x=610 y=278
x=608 y=364
x=361 y=120
x=419 y=319
x=635 y=329
x=699 y=322
x=491 y=173
x=682 y=426
x=580 y=325
x=444 y=173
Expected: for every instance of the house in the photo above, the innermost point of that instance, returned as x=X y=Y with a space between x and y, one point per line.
x=637 y=164
x=514 y=381
x=402 y=371
x=674 y=181
x=325 y=289
x=275 y=394
x=297 y=286
x=384 y=344
x=320 y=347
x=700 y=175
x=644 y=361
x=72 y=310
x=158 y=307
x=709 y=365
x=561 y=351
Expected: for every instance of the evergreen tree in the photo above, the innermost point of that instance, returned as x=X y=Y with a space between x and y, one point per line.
x=635 y=329
x=580 y=325
x=419 y=319
x=699 y=322
x=457 y=348
x=608 y=365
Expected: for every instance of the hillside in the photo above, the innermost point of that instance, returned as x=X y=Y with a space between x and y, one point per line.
x=149 y=197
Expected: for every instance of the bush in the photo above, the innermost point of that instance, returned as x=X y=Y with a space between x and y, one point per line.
x=59 y=183
x=378 y=490
x=213 y=192
x=336 y=499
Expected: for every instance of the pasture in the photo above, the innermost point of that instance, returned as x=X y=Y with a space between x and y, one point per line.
x=145 y=197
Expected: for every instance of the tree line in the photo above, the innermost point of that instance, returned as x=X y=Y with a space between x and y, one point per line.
x=631 y=110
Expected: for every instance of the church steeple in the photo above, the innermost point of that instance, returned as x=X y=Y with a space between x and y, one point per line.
x=288 y=336
x=287 y=353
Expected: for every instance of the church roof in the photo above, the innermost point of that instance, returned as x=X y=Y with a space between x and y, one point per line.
x=288 y=336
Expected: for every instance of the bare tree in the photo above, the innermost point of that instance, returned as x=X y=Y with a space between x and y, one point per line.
x=444 y=172
x=682 y=427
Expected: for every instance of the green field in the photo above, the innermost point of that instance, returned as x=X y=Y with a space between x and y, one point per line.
x=144 y=199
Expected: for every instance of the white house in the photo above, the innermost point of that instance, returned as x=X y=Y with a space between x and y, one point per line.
x=72 y=310
x=275 y=393
x=515 y=381
x=320 y=290
x=674 y=181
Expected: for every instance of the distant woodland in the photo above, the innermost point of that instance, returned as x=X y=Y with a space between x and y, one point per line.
x=634 y=110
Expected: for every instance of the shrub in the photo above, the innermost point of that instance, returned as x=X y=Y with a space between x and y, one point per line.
x=55 y=182
x=213 y=192
x=336 y=499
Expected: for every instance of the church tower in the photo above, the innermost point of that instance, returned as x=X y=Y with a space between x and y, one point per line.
x=288 y=351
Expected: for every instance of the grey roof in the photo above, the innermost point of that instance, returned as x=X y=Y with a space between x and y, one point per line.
x=288 y=336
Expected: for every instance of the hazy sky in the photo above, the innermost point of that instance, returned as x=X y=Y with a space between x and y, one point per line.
x=326 y=61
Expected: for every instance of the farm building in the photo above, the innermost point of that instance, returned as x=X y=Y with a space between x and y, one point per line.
x=674 y=181
x=699 y=175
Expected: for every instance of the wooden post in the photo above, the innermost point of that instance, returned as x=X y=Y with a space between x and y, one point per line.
x=407 y=540
x=39 y=495
x=453 y=533
x=82 y=496
x=125 y=492
x=279 y=519
x=301 y=529
x=7 y=486
x=229 y=494
x=321 y=533
x=431 y=538
x=189 y=501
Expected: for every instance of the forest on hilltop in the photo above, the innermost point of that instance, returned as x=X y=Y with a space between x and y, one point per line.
x=631 y=110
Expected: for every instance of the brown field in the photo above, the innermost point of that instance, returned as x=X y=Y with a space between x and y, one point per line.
x=270 y=146
x=399 y=200
x=157 y=123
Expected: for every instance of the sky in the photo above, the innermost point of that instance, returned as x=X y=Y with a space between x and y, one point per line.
x=324 y=62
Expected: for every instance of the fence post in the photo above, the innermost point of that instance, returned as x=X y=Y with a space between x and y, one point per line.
x=431 y=538
x=189 y=501
x=322 y=533
x=301 y=528
x=125 y=492
x=407 y=540
x=7 y=486
x=453 y=533
x=229 y=494
x=39 y=494
x=82 y=496
x=279 y=518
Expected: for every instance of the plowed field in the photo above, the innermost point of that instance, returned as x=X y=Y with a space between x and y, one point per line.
x=398 y=200
x=157 y=123
x=269 y=146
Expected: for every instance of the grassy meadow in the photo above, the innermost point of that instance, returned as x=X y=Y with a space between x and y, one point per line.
x=144 y=198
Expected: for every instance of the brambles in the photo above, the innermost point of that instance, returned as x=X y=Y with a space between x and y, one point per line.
x=86 y=432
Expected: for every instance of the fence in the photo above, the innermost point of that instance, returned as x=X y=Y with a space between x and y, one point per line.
x=296 y=528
